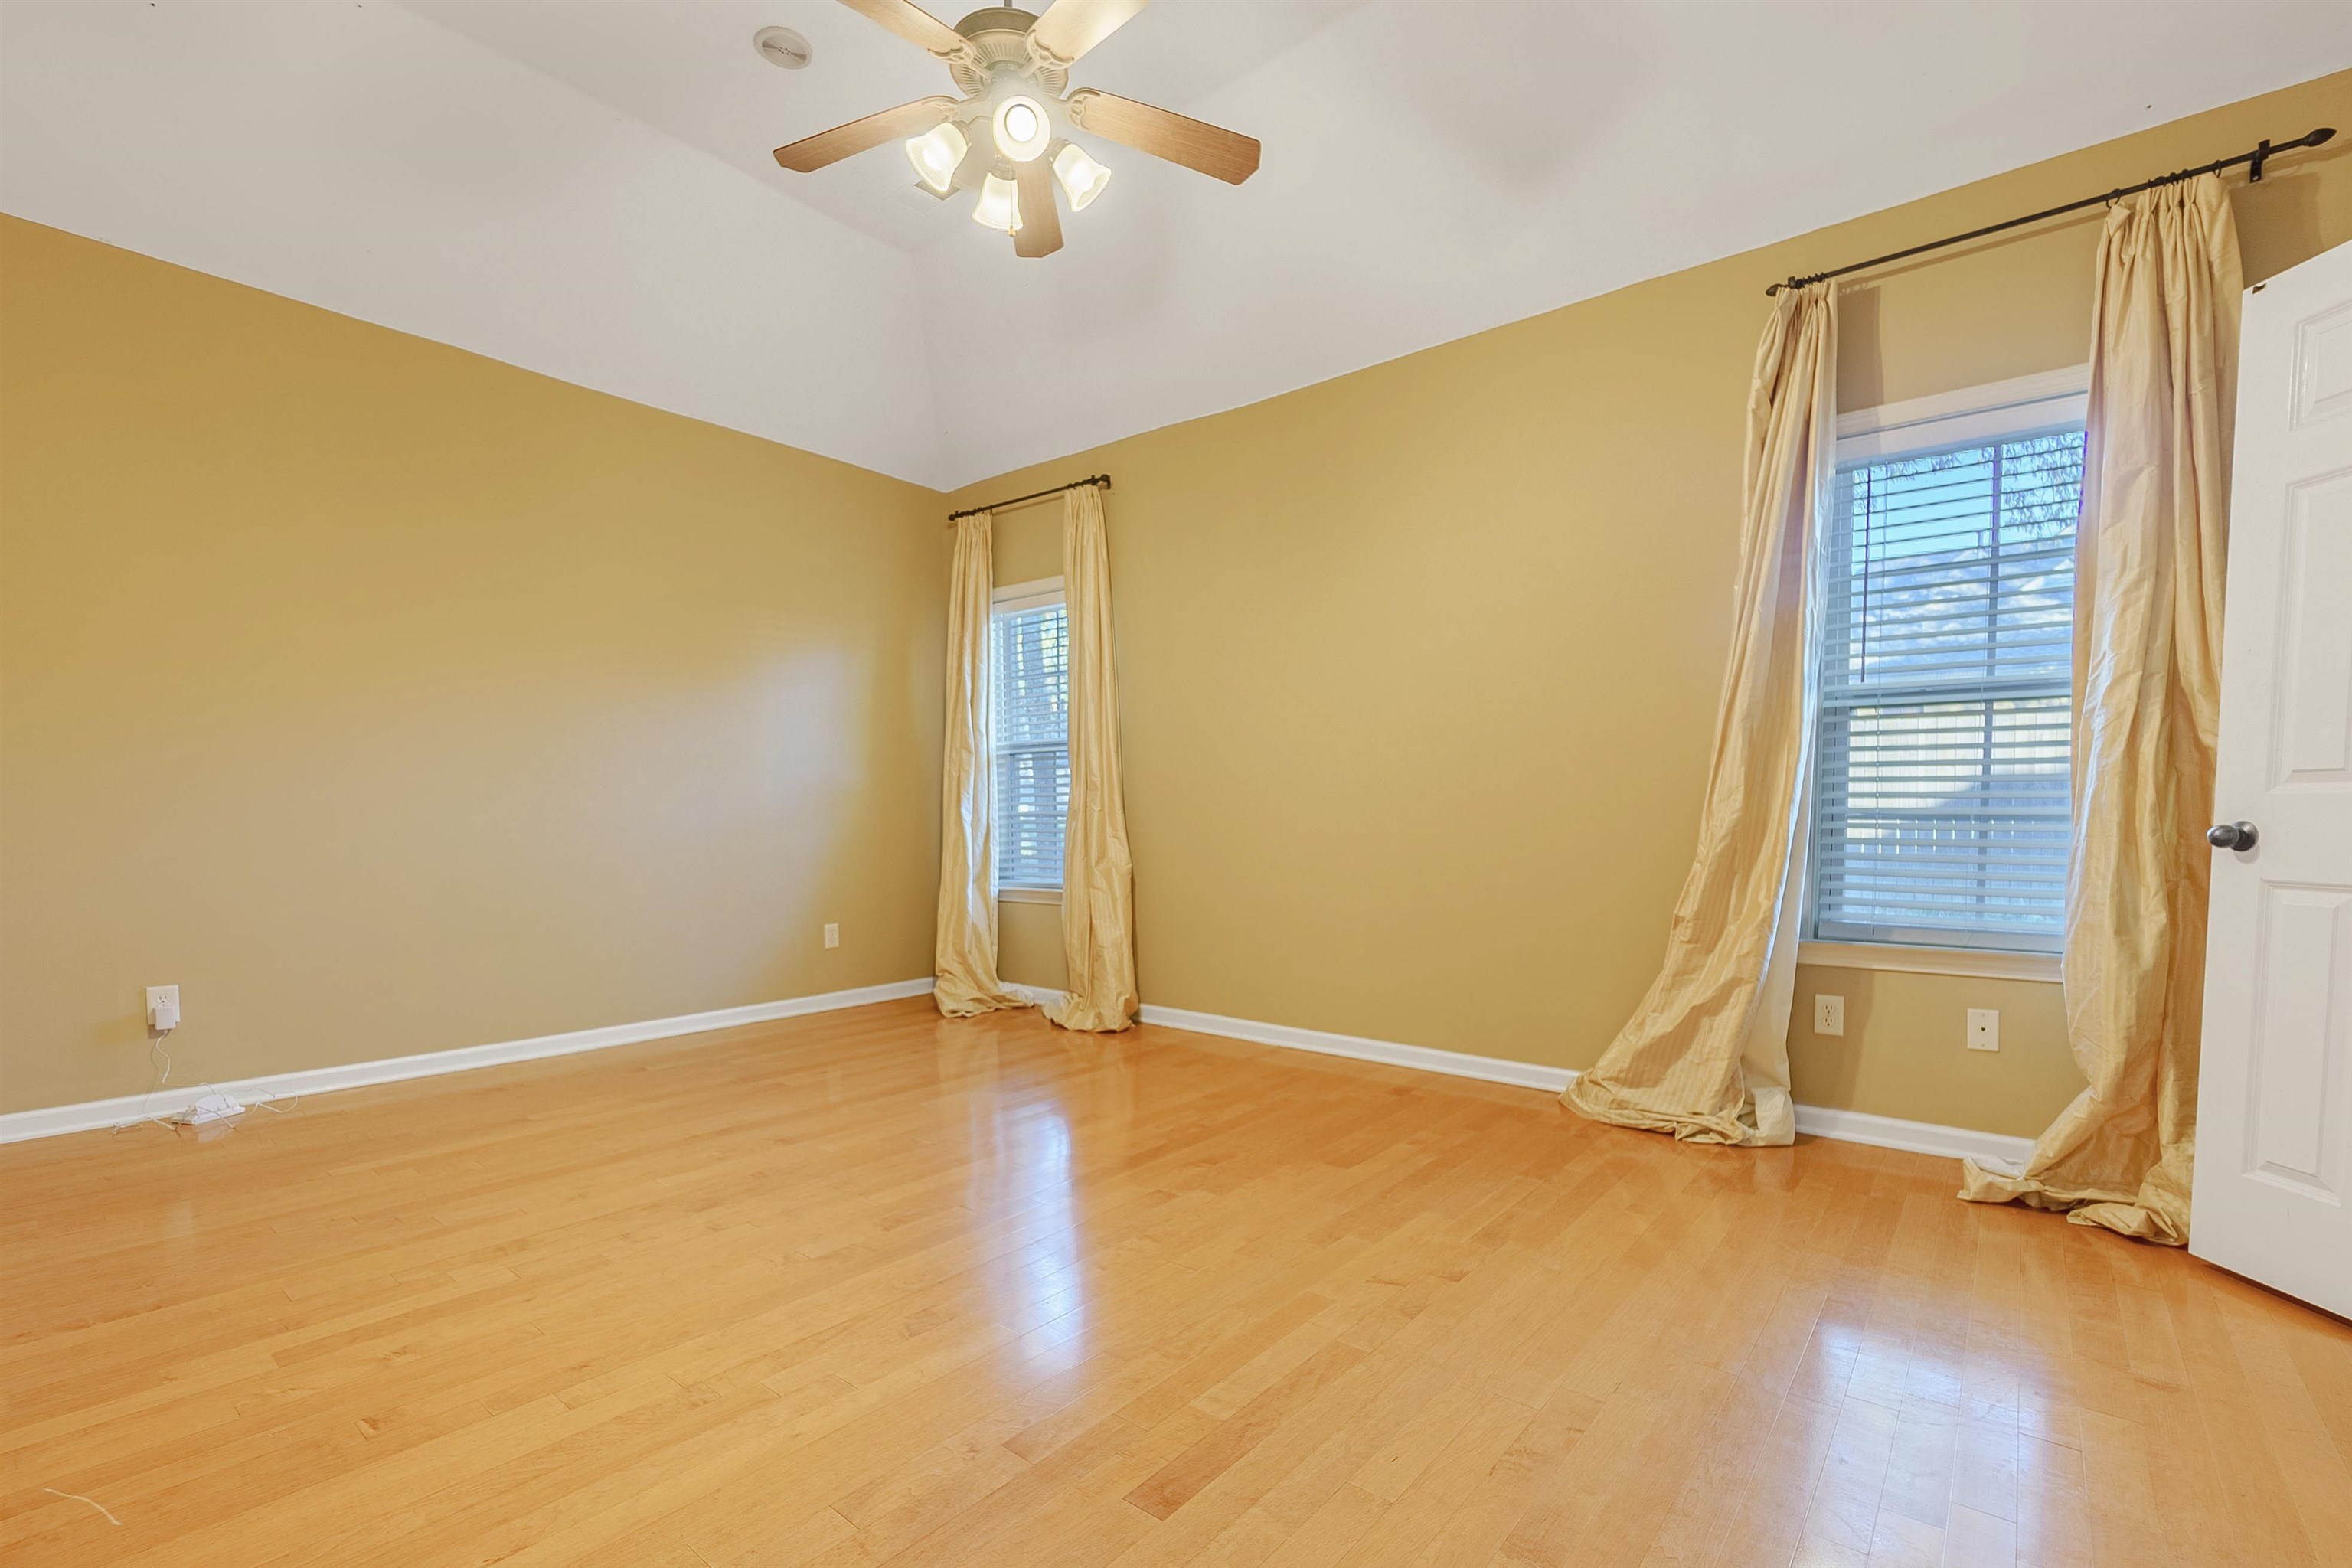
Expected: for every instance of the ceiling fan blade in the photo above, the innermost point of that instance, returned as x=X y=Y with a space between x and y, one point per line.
x=1070 y=27
x=1227 y=156
x=1040 y=233
x=811 y=153
x=915 y=25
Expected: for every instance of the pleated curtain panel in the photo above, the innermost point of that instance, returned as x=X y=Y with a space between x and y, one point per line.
x=1098 y=872
x=2147 y=641
x=965 y=965
x=1705 y=1057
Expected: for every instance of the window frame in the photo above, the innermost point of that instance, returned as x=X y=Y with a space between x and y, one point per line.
x=1013 y=599
x=1971 y=416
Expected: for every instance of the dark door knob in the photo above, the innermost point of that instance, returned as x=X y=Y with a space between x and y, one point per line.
x=2232 y=835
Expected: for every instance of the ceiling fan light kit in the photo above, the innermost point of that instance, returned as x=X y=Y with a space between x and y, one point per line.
x=1010 y=127
x=999 y=206
x=1020 y=128
x=1082 y=178
x=937 y=153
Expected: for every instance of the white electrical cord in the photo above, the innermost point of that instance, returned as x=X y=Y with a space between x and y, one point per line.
x=162 y=1059
x=77 y=1497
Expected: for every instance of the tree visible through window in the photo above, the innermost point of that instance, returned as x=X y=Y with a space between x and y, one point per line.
x=1029 y=654
x=1941 y=815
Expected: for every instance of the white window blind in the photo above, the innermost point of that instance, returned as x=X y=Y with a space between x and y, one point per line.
x=1030 y=655
x=1941 y=812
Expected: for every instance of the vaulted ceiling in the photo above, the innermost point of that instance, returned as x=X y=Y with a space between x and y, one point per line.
x=582 y=187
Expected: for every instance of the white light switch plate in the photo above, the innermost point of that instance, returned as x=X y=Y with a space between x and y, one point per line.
x=1829 y=1015
x=1984 y=1029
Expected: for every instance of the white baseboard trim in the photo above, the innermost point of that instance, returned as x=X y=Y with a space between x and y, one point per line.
x=1845 y=1126
x=1460 y=1064
x=49 y=1123
x=1848 y=1126
x=1918 y=1136
x=1036 y=995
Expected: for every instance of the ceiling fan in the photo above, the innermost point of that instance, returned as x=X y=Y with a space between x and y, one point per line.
x=1006 y=137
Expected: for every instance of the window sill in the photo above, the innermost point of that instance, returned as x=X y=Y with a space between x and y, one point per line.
x=1981 y=963
x=1028 y=895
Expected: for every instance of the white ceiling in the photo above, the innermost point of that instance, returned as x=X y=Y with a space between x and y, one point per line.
x=582 y=187
x=690 y=69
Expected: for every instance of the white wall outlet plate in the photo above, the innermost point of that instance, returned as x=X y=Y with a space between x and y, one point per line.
x=1984 y=1029
x=163 y=1006
x=1829 y=1015
x=832 y=935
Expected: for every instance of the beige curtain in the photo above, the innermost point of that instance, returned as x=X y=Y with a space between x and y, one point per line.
x=1706 y=1055
x=2147 y=677
x=1097 y=875
x=965 y=961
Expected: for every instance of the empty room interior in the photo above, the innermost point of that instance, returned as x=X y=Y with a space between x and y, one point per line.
x=1229 y=781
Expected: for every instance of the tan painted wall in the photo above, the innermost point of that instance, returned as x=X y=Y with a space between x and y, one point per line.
x=389 y=699
x=1418 y=665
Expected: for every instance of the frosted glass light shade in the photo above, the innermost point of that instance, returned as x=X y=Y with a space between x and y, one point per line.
x=1021 y=129
x=934 y=154
x=1082 y=178
x=999 y=206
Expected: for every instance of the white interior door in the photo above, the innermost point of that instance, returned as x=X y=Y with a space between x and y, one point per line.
x=2273 y=1191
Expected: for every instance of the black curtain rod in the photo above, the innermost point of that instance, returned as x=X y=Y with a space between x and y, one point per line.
x=2258 y=157
x=1102 y=480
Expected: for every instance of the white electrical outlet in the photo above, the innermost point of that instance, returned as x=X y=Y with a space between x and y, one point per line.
x=1829 y=1015
x=163 y=1006
x=1984 y=1029
x=832 y=935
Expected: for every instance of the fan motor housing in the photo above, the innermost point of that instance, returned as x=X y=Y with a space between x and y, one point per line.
x=999 y=36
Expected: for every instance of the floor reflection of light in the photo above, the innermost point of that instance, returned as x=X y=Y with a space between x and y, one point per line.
x=1041 y=1281
x=1011 y=1116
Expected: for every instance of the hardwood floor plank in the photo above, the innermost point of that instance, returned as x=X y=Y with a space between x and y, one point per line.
x=879 y=1288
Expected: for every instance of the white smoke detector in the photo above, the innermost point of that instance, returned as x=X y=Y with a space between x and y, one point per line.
x=782 y=47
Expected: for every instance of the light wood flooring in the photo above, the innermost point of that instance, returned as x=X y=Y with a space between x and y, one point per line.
x=876 y=1286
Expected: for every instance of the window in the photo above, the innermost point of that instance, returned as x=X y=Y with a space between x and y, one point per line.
x=1029 y=662
x=1941 y=814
